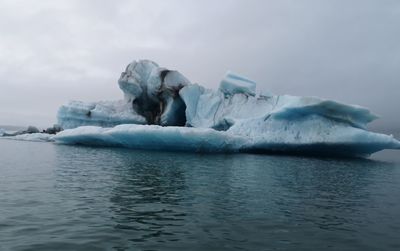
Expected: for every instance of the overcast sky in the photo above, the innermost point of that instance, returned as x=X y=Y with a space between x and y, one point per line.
x=53 y=51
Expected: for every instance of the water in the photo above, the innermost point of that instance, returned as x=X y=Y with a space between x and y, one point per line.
x=55 y=197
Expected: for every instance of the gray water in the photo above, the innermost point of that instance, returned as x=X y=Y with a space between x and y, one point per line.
x=55 y=197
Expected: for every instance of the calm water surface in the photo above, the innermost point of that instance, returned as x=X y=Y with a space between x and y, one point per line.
x=55 y=197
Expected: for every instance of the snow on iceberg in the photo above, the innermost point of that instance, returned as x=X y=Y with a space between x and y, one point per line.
x=163 y=110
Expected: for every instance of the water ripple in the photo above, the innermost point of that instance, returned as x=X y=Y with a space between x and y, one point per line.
x=79 y=198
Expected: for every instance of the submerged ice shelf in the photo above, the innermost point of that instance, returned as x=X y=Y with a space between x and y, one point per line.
x=162 y=109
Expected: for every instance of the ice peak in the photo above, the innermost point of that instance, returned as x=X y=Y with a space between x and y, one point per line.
x=234 y=83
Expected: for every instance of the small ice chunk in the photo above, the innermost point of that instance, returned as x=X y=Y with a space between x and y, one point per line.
x=35 y=137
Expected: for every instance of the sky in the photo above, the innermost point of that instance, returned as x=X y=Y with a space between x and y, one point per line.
x=53 y=51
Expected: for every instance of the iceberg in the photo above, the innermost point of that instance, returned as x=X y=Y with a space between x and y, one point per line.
x=163 y=110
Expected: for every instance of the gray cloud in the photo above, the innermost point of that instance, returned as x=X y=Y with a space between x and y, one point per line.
x=56 y=50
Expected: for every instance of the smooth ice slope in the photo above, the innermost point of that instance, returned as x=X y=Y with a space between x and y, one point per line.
x=189 y=117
